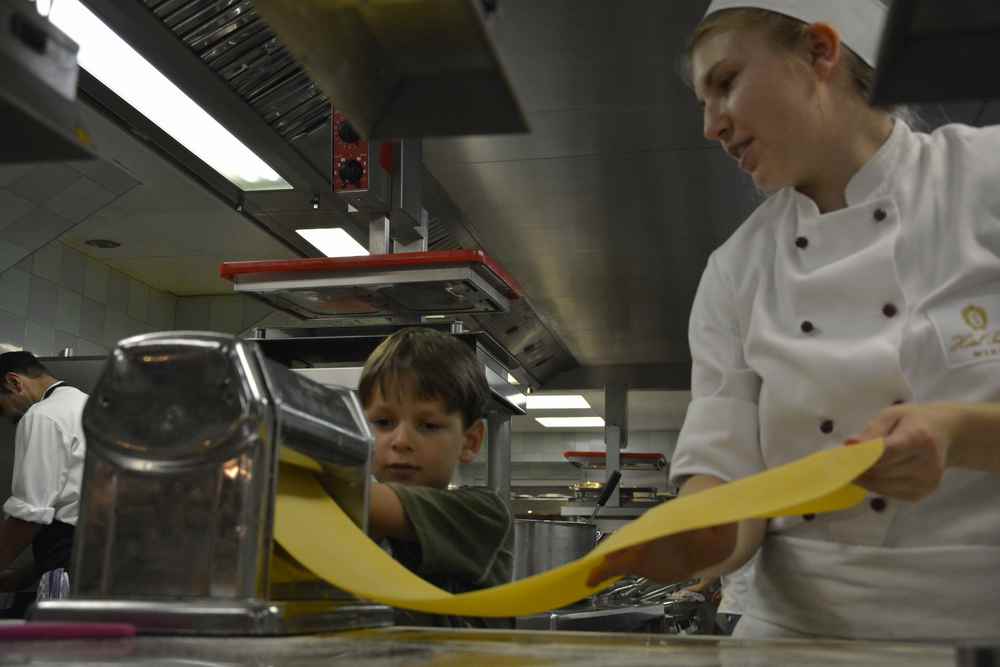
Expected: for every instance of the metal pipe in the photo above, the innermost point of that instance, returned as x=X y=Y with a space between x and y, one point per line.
x=615 y=432
x=379 y=242
x=498 y=453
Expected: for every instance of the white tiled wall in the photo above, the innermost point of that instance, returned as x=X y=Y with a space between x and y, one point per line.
x=232 y=314
x=58 y=297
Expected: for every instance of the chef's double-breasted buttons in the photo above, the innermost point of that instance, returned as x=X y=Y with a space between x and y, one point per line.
x=879 y=214
x=826 y=426
x=801 y=243
x=807 y=327
x=890 y=310
x=878 y=504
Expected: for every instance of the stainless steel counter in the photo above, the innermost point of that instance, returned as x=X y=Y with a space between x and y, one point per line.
x=412 y=647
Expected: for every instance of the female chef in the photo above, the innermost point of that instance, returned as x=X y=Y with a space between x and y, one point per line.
x=861 y=299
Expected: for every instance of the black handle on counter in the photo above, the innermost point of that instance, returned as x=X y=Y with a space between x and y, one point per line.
x=609 y=488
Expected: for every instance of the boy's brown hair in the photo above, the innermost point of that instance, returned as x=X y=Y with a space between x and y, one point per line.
x=434 y=365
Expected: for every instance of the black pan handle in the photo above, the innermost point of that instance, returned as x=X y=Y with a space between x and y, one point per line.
x=609 y=487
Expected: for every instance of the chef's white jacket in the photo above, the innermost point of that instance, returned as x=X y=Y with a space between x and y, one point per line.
x=49 y=449
x=804 y=327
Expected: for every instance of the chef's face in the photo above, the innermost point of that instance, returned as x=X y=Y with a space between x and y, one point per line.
x=417 y=441
x=758 y=104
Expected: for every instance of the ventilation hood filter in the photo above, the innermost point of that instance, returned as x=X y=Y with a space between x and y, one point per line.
x=401 y=68
x=449 y=283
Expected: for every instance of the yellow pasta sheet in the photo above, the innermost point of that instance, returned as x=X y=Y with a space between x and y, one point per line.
x=314 y=530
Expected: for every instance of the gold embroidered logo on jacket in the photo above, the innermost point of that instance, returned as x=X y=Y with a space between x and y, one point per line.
x=980 y=342
x=975 y=317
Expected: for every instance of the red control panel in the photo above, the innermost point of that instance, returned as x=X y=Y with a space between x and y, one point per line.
x=351 y=157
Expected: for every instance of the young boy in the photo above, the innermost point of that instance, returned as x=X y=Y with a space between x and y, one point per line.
x=425 y=395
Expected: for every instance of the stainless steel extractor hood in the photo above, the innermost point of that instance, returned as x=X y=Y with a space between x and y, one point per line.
x=401 y=68
x=38 y=75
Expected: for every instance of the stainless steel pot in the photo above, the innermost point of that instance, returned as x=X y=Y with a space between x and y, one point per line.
x=543 y=545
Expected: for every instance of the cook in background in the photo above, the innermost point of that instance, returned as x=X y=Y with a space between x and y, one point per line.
x=860 y=300
x=425 y=395
x=48 y=463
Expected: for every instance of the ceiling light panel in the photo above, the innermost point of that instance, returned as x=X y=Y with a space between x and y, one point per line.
x=109 y=59
x=554 y=402
x=571 y=422
x=333 y=242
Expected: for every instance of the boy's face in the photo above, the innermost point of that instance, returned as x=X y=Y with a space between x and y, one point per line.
x=418 y=442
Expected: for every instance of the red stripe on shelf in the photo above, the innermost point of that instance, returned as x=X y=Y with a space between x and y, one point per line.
x=231 y=270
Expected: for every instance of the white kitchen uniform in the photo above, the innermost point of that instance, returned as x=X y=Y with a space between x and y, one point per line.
x=805 y=326
x=48 y=459
x=736 y=589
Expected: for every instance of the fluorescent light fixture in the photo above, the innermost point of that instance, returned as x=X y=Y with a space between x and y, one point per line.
x=570 y=422
x=333 y=242
x=511 y=379
x=552 y=402
x=516 y=399
x=118 y=66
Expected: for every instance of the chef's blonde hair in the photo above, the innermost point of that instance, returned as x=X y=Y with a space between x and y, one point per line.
x=787 y=32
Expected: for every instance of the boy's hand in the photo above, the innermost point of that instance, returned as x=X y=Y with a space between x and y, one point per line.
x=670 y=559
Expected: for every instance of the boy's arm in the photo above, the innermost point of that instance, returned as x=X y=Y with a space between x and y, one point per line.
x=386 y=516
x=461 y=534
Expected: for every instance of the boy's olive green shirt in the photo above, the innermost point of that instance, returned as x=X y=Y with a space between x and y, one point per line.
x=465 y=541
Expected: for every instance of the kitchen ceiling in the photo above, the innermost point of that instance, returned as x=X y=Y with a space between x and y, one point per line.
x=605 y=213
x=173 y=232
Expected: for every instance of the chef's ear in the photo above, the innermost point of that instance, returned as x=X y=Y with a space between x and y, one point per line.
x=825 y=49
x=11 y=383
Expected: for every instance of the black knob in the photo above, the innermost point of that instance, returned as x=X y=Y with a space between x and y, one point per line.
x=348 y=134
x=351 y=171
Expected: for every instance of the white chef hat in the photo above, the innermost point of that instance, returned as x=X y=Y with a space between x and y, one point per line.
x=859 y=22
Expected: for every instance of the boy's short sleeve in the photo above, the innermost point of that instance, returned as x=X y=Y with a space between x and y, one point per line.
x=463 y=536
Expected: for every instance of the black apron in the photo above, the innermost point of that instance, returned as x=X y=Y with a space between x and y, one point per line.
x=53 y=544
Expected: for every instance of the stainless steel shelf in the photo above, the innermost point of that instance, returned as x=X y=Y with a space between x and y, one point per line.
x=606 y=512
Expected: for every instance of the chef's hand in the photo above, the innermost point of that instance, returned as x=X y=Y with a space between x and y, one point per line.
x=670 y=559
x=918 y=438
